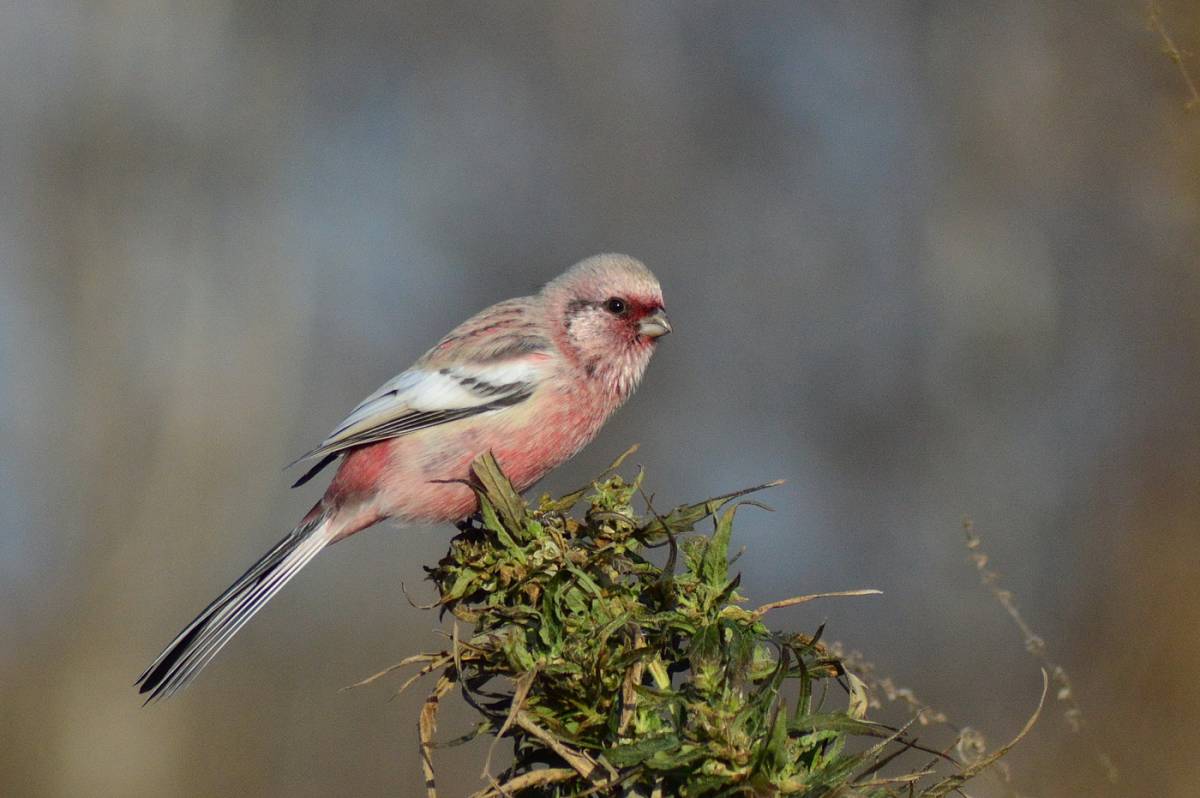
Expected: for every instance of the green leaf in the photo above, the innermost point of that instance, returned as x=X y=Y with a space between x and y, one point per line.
x=633 y=753
x=499 y=490
x=739 y=650
x=777 y=747
x=462 y=585
x=492 y=522
x=684 y=517
x=833 y=721
x=674 y=759
x=714 y=568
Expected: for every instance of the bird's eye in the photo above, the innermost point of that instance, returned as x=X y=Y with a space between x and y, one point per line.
x=616 y=306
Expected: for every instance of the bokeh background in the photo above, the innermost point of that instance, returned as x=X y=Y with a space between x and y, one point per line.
x=924 y=260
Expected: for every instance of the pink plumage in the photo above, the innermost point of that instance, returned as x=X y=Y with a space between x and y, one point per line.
x=531 y=379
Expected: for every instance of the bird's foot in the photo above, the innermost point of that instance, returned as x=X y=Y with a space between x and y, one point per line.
x=472 y=523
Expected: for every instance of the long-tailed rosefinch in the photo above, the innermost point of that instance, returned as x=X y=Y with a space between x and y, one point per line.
x=530 y=379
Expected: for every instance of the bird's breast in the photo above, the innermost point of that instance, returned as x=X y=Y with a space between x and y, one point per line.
x=418 y=476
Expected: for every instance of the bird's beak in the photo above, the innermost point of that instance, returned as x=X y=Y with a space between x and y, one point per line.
x=655 y=325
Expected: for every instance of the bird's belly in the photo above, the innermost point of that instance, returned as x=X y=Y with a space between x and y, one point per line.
x=419 y=476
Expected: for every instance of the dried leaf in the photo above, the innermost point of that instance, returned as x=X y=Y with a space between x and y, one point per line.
x=791 y=602
x=427 y=727
x=520 y=693
x=859 y=700
x=402 y=663
x=534 y=778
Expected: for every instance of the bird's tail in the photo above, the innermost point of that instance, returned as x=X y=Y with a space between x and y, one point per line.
x=199 y=642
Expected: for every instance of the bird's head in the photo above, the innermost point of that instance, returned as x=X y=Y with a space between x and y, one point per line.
x=606 y=313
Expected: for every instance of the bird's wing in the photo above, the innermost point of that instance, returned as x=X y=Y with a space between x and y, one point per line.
x=424 y=397
x=491 y=361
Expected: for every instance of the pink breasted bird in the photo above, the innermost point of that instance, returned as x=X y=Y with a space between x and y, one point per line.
x=530 y=379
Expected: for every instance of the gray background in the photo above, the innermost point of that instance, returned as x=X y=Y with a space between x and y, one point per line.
x=924 y=260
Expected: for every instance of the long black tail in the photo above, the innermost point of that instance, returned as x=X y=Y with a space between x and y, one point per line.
x=199 y=642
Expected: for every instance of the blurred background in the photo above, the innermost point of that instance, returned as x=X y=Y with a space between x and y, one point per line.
x=924 y=260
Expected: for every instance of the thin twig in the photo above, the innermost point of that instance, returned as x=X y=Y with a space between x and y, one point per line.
x=1034 y=643
x=952 y=783
x=1154 y=18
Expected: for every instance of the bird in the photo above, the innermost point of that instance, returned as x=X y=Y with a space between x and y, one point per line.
x=531 y=380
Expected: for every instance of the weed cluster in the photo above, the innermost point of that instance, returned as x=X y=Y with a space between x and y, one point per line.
x=614 y=676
